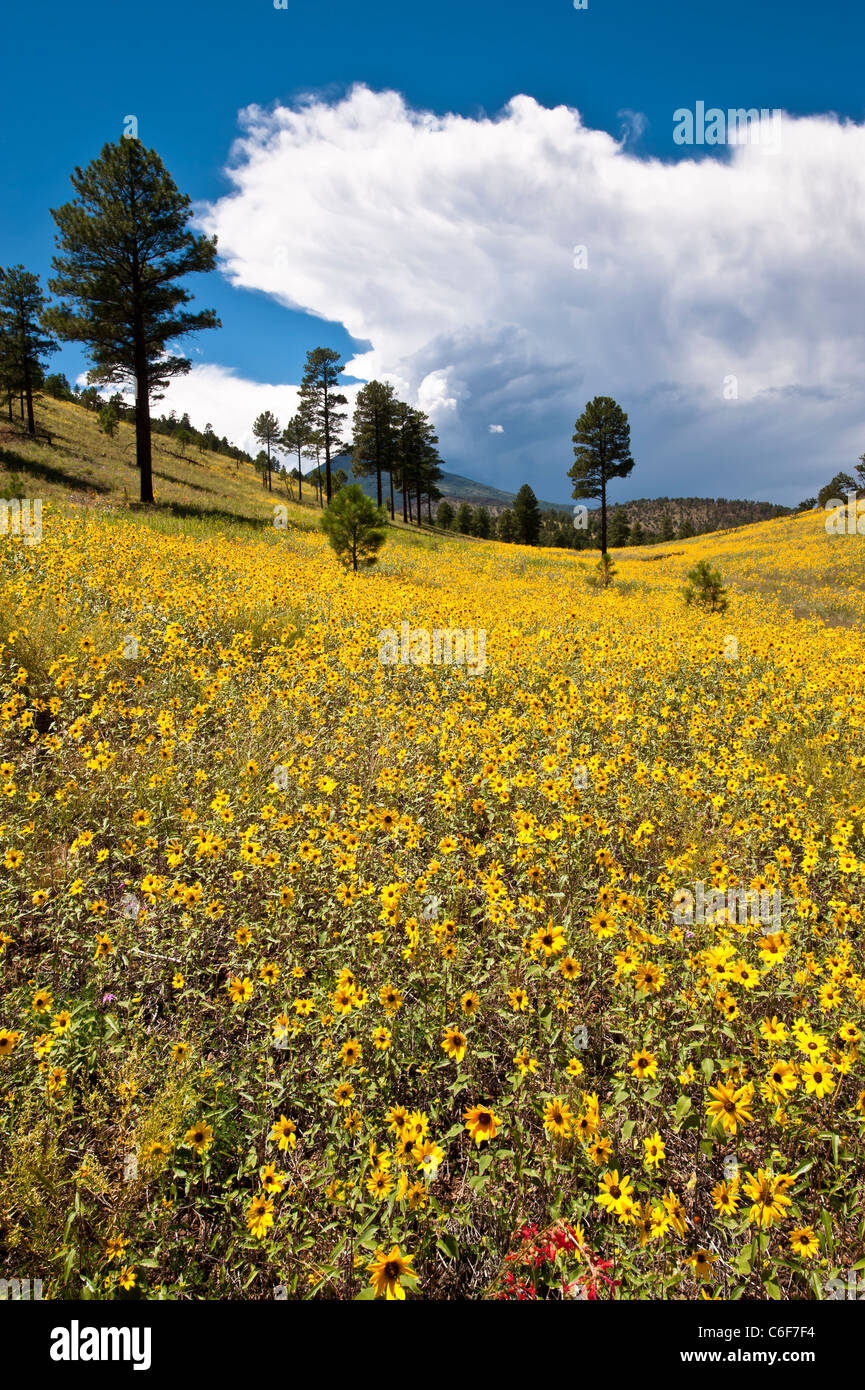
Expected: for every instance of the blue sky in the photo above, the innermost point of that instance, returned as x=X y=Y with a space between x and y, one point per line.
x=186 y=71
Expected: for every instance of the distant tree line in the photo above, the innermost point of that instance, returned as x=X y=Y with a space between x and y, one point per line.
x=522 y=523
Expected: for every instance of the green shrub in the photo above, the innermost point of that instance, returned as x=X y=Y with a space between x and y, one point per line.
x=354 y=525
x=705 y=588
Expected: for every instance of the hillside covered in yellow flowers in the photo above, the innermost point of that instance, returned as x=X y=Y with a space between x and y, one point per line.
x=338 y=977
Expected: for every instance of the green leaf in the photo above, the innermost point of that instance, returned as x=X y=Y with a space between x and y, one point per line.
x=827 y=1227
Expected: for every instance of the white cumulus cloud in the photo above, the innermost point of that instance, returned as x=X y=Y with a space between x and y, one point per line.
x=446 y=242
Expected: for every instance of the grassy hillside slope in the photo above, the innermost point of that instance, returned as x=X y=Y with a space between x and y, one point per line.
x=83 y=466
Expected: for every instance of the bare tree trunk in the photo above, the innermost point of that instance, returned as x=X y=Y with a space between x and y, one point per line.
x=143 y=445
x=28 y=392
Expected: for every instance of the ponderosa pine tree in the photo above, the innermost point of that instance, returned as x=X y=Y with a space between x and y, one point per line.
x=416 y=463
x=432 y=493
x=620 y=529
x=374 y=429
x=295 y=440
x=8 y=375
x=125 y=249
x=602 y=451
x=482 y=523
x=527 y=517
x=266 y=431
x=23 y=340
x=431 y=471
x=320 y=402
x=109 y=419
x=57 y=386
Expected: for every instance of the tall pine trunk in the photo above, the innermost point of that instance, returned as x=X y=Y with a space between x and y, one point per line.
x=28 y=392
x=327 y=439
x=143 y=446
x=377 y=457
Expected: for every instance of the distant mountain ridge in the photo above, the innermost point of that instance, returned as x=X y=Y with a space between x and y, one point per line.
x=703 y=513
x=452 y=486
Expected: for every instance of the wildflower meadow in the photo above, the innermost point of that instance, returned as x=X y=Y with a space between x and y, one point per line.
x=329 y=976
